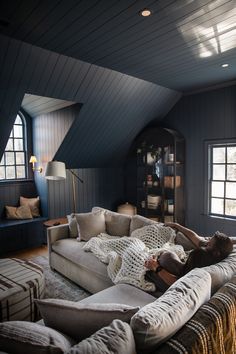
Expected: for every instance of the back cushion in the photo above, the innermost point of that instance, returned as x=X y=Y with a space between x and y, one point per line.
x=116 y=224
x=139 y=221
x=211 y=330
x=223 y=271
x=156 y=322
x=90 y=224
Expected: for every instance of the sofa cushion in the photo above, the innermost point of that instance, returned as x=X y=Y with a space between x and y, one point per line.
x=19 y=213
x=80 y=320
x=222 y=272
x=116 y=224
x=117 y=338
x=138 y=221
x=28 y=337
x=158 y=321
x=72 y=250
x=33 y=203
x=123 y=294
x=212 y=329
x=90 y=224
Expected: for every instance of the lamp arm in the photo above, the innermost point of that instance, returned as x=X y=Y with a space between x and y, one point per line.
x=73 y=173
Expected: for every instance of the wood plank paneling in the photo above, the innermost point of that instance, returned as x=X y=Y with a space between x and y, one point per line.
x=200 y=117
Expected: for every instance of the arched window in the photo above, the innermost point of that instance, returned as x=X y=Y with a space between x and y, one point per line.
x=13 y=163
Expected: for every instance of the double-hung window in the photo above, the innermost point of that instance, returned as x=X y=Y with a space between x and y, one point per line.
x=222 y=179
x=13 y=163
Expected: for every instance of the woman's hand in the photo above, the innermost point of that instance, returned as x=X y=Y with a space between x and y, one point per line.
x=151 y=263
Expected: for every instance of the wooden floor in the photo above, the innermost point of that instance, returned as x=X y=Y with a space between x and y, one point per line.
x=29 y=254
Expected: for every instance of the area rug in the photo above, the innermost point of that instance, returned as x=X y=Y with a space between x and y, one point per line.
x=57 y=286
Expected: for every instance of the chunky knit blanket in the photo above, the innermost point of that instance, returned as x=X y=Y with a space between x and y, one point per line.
x=126 y=256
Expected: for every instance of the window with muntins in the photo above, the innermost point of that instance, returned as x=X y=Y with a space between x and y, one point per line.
x=222 y=179
x=13 y=163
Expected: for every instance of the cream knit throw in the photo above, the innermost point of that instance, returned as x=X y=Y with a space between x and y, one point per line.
x=126 y=256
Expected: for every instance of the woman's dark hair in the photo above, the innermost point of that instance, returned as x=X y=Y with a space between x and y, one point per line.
x=223 y=244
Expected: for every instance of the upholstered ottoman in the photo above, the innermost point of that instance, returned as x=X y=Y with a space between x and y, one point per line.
x=20 y=282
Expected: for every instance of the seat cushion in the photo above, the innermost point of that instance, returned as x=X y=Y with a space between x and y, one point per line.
x=73 y=251
x=123 y=294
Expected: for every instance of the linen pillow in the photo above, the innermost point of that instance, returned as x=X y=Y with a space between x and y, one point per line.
x=90 y=224
x=33 y=203
x=158 y=321
x=117 y=338
x=28 y=337
x=22 y=212
x=138 y=221
x=116 y=224
x=78 y=320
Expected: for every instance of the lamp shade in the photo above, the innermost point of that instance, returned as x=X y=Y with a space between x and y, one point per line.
x=55 y=171
x=33 y=159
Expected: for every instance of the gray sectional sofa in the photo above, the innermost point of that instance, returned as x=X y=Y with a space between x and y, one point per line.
x=196 y=312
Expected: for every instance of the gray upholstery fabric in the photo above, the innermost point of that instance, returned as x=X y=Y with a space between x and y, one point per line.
x=182 y=240
x=28 y=338
x=138 y=221
x=123 y=294
x=222 y=272
x=83 y=268
x=116 y=338
x=90 y=224
x=79 y=320
x=72 y=225
x=158 y=321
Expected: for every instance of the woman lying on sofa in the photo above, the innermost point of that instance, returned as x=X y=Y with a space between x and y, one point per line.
x=165 y=269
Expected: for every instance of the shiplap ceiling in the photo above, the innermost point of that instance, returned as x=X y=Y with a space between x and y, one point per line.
x=180 y=46
x=37 y=105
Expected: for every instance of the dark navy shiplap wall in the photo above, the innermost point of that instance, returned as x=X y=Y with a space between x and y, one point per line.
x=102 y=186
x=199 y=117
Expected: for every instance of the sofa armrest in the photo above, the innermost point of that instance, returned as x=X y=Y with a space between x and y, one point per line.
x=56 y=233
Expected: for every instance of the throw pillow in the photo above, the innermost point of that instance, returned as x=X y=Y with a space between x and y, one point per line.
x=158 y=321
x=73 y=229
x=28 y=337
x=212 y=329
x=138 y=221
x=116 y=224
x=90 y=224
x=33 y=203
x=79 y=321
x=22 y=212
x=116 y=338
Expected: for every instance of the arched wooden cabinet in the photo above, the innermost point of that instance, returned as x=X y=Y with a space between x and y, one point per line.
x=160 y=156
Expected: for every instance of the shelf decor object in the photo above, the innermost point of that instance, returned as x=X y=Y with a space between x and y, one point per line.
x=160 y=155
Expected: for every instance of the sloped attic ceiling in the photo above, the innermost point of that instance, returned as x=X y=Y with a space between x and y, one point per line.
x=115 y=106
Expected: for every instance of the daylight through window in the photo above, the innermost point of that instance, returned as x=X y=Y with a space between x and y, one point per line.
x=13 y=163
x=222 y=180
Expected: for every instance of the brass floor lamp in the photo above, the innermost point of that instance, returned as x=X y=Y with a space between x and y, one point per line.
x=56 y=171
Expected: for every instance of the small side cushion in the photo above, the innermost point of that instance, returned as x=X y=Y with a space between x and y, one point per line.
x=81 y=320
x=90 y=224
x=158 y=321
x=117 y=338
x=28 y=338
x=18 y=213
x=33 y=203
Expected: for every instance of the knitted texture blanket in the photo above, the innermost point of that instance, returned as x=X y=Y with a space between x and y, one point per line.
x=125 y=256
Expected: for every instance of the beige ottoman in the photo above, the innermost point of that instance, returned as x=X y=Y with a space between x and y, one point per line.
x=20 y=282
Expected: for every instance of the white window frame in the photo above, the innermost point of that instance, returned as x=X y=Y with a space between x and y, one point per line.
x=12 y=136
x=209 y=146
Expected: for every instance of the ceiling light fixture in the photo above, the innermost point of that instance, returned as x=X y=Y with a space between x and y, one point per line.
x=145 y=12
x=224 y=65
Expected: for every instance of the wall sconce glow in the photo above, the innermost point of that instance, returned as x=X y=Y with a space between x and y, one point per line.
x=33 y=160
x=145 y=12
x=206 y=54
x=224 y=65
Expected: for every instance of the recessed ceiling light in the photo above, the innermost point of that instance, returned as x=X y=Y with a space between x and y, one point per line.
x=224 y=65
x=145 y=12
